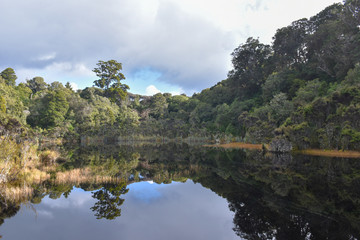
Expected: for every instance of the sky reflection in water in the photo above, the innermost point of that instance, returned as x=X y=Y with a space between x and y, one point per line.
x=150 y=211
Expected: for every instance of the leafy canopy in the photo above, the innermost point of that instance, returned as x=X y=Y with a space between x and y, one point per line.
x=110 y=78
x=9 y=76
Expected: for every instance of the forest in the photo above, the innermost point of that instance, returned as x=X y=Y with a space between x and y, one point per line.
x=300 y=92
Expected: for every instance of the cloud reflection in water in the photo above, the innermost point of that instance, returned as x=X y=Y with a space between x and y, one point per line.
x=155 y=211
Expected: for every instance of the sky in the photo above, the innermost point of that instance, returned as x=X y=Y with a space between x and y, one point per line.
x=175 y=46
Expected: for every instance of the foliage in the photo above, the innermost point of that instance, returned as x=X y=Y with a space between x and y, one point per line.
x=110 y=79
x=11 y=104
x=49 y=110
x=36 y=84
x=2 y=105
x=158 y=106
x=9 y=76
x=251 y=65
x=109 y=201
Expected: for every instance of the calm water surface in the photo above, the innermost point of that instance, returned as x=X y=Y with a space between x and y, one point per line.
x=150 y=211
x=187 y=192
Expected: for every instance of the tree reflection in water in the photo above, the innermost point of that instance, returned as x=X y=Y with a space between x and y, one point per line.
x=289 y=197
x=7 y=210
x=109 y=201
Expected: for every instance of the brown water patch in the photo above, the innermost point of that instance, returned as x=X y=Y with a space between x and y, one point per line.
x=331 y=153
x=85 y=175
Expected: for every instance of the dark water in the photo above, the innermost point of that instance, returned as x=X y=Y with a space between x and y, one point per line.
x=182 y=192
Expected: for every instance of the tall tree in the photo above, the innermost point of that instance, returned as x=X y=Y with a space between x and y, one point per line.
x=251 y=63
x=333 y=48
x=9 y=76
x=352 y=12
x=68 y=86
x=290 y=45
x=158 y=105
x=49 y=111
x=36 y=84
x=110 y=78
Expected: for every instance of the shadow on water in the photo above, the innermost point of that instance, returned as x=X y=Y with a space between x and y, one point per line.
x=271 y=196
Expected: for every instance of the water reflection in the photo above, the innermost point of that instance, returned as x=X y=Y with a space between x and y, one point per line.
x=178 y=211
x=266 y=196
x=108 y=201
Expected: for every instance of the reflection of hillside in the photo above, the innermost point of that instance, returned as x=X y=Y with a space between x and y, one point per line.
x=272 y=196
x=282 y=196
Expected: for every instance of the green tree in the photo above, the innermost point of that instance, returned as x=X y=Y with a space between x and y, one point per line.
x=309 y=92
x=203 y=112
x=49 y=110
x=334 y=47
x=280 y=108
x=110 y=78
x=24 y=93
x=56 y=110
x=2 y=104
x=14 y=105
x=353 y=76
x=330 y=13
x=290 y=44
x=68 y=86
x=158 y=106
x=272 y=86
x=251 y=66
x=223 y=118
x=352 y=12
x=177 y=102
x=128 y=119
x=9 y=76
x=36 y=84
x=54 y=86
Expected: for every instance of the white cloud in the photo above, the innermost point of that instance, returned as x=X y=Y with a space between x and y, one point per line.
x=151 y=90
x=74 y=86
x=76 y=73
x=55 y=204
x=24 y=74
x=76 y=199
x=77 y=69
x=175 y=93
x=45 y=213
x=46 y=57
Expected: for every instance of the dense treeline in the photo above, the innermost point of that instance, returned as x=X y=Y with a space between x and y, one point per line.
x=303 y=88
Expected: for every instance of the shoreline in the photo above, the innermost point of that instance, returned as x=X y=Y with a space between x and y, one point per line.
x=312 y=152
x=237 y=145
x=330 y=153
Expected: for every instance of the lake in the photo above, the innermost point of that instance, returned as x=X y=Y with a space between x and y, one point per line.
x=178 y=191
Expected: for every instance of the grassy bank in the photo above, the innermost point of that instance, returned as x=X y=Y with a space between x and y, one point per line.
x=237 y=145
x=312 y=152
x=330 y=153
